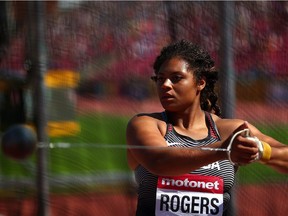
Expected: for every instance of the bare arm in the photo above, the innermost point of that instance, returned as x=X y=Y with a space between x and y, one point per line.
x=155 y=156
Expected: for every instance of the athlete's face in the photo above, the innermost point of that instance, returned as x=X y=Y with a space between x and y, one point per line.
x=176 y=85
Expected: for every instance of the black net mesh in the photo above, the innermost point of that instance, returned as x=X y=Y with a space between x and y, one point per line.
x=99 y=62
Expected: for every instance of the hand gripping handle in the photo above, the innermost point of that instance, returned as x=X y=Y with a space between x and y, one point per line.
x=246 y=131
x=264 y=149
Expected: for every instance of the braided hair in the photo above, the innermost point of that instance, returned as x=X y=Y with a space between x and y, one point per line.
x=203 y=66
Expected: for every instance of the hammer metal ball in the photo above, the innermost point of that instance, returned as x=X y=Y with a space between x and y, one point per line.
x=18 y=142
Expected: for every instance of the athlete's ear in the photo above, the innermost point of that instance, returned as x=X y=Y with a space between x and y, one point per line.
x=201 y=84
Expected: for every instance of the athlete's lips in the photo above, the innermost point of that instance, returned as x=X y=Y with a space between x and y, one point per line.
x=166 y=96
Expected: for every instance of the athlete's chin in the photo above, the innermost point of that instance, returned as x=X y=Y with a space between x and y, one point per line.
x=169 y=106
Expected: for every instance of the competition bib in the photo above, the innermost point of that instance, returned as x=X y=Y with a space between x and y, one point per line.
x=189 y=195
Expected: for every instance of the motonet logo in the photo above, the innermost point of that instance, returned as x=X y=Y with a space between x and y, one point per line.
x=192 y=183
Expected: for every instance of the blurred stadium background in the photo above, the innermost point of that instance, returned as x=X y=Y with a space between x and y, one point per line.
x=95 y=62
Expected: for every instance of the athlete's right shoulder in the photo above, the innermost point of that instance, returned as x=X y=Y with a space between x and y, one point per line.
x=156 y=116
x=147 y=121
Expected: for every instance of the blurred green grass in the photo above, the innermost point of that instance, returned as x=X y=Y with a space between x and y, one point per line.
x=97 y=130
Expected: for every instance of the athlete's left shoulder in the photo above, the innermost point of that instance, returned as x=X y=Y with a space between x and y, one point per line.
x=226 y=121
x=226 y=125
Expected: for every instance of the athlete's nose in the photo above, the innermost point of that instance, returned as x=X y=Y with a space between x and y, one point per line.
x=166 y=83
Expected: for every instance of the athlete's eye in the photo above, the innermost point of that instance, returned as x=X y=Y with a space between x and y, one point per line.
x=176 y=78
x=161 y=79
